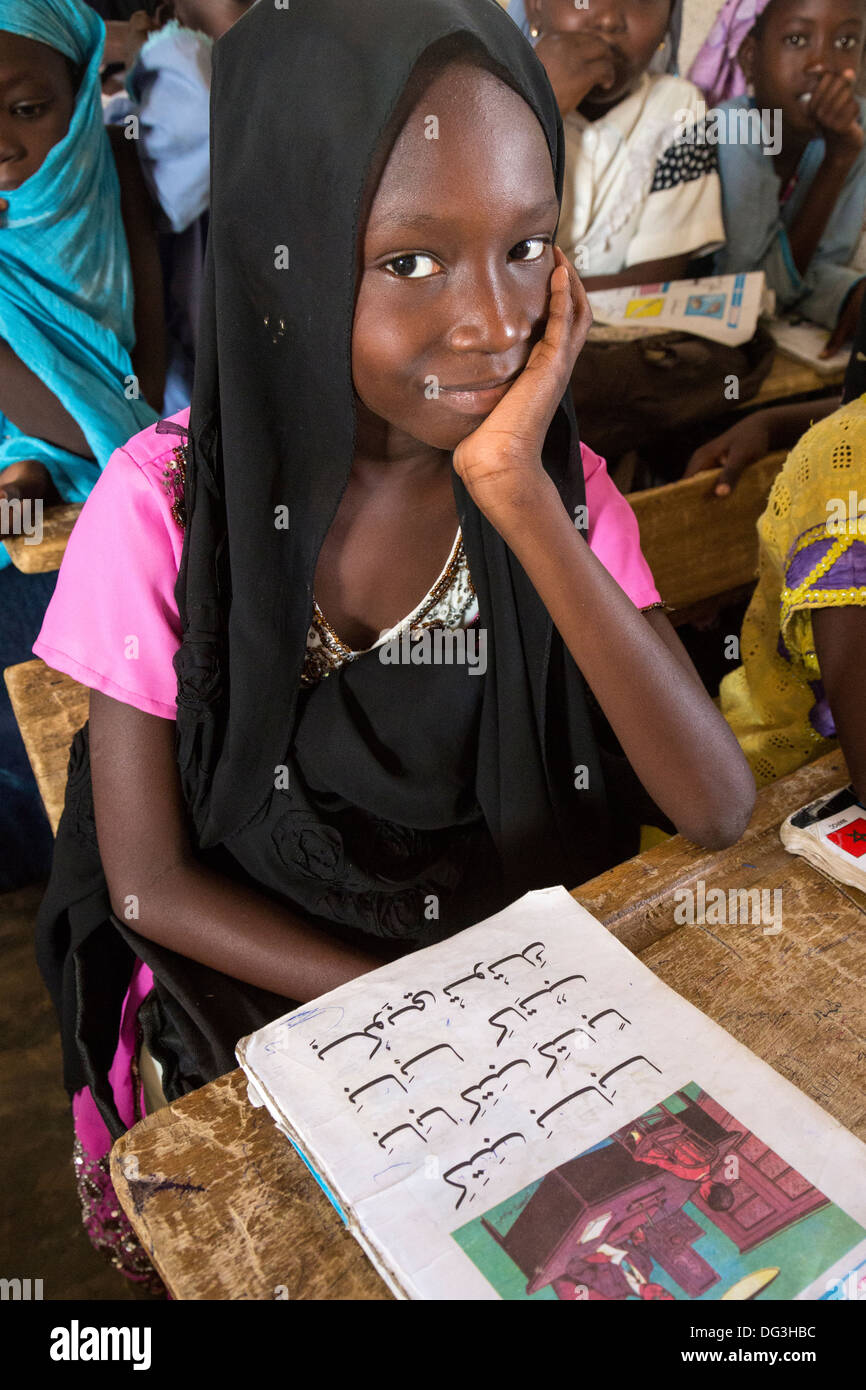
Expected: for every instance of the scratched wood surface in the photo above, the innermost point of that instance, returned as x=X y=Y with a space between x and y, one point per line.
x=50 y=708
x=57 y=525
x=229 y=1212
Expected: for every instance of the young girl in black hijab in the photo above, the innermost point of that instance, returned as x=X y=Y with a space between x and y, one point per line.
x=385 y=351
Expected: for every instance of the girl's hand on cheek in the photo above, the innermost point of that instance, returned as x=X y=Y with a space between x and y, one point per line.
x=500 y=462
x=836 y=112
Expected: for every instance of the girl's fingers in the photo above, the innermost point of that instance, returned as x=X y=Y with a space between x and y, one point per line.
x=528 y=407
x=833 y=95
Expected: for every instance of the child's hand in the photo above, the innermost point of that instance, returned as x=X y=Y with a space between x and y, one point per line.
x=734 y=451
x=141 y=25
x=500 y=462
x=834 y=110
x=28 y=479
x=575 y=63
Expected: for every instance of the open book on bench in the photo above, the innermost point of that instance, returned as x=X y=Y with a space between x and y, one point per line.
x=526 y=1111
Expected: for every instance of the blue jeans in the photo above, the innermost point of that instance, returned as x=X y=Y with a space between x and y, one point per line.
x=26 y=841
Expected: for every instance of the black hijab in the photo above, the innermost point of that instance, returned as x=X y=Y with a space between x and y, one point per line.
x=302 y=100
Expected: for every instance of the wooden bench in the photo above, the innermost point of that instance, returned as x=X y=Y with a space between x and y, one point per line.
x=703 y=549
x=46 y=555
x=50 y=709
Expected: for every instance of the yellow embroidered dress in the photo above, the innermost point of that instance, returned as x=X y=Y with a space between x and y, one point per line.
x=812 y=555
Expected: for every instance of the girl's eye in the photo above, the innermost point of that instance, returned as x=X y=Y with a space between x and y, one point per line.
x=413 y=267
x=795 y=40
x=848 y=42
x=30 y=110
x=530 y=250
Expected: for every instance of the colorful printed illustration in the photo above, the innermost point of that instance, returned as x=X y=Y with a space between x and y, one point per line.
x=706 y=306
x=683 y=1203
x=644 y=308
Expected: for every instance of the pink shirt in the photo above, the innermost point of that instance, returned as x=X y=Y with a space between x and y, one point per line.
x=113 y=624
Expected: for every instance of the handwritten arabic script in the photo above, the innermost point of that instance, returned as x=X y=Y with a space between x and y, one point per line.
x=510 y=1051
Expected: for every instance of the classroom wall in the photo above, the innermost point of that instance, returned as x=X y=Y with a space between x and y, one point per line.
x=698 y=16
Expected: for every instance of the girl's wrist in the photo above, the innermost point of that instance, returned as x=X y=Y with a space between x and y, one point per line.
x=536 y=524
x=838 y=160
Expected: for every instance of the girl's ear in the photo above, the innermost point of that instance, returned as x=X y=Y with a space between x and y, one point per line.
x=533 y=12
x=746 y=56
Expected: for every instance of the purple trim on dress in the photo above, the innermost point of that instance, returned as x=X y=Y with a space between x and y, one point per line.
x=848 y=572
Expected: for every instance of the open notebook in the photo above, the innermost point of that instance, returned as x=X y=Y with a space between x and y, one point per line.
x=525 y=1111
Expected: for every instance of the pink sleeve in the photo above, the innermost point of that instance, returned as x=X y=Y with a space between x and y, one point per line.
x=613 y=536
x=112 y=623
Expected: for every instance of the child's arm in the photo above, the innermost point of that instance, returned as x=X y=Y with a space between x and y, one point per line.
x=835 y=109
x=149 y=353
x=751 y=439
x=840 y=645
x=675 y=739
x=146 y=856
x=33 y=408
x=647 y=273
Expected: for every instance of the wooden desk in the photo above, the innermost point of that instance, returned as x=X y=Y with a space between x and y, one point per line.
x=228 y=1211
x=57 y=524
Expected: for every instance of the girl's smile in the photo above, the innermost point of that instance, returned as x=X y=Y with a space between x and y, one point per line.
x=476 y=401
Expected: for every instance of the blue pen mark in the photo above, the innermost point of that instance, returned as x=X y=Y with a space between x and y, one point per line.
x=382 y=1171
x=304 y=1017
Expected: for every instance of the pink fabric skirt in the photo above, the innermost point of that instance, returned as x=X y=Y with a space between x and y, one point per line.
x=105 y=1222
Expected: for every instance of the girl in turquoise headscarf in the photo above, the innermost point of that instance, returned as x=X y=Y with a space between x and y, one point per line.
x=66 y=293
x=69 y=391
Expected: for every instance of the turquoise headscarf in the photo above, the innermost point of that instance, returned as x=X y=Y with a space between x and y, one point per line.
x=66 y=296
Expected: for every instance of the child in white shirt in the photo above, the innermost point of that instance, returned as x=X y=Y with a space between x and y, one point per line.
x=639 y=203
